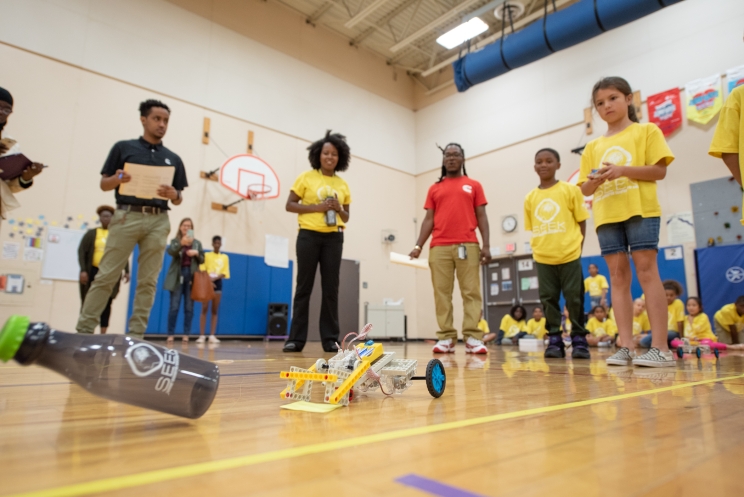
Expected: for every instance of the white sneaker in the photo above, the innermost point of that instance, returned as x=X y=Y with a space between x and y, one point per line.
x=655 y=358
x=623 y=357
x=200 y=339
x=213 y=339
x=475 y=346
x=604 y=344
x=444 y=347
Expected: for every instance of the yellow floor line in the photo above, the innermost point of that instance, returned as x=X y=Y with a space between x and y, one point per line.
x=162 y=475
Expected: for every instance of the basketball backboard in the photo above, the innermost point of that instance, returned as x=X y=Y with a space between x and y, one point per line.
x=250 y=177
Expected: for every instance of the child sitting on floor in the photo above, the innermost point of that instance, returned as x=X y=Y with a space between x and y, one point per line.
x=697 y=328
x=602 y=330
x=729 y=321
x=536 y=325
x=512 y=327
x=641 y=324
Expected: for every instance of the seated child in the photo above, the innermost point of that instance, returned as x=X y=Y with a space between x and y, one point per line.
x=676 y=314
x=512 y=327
x=536 y=325
x=566 y=325
x=641 y=324
x=698 y=330
x=729 y=321
x=602 y=330
x=483 y=325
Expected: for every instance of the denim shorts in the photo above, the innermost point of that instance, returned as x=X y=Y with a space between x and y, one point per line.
x=637 y=233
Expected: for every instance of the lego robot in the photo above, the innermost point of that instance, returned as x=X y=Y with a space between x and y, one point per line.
x=365 y=366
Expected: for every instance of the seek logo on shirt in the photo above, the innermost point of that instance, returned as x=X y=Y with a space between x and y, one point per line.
x=545 y=212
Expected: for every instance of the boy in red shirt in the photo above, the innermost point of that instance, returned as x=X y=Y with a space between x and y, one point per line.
x=455 y=206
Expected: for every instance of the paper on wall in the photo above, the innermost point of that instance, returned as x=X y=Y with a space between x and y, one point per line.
x=405 y=260
x=494 y=289
x=11 y=250
x=534 y=285
x=524 y=265
x=506 y=274
x=31 y=254
x=680 y=228
x=276 y=252
x=495 y=276
x=673 y=253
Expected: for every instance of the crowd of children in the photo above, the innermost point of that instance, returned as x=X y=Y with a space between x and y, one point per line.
x=620 y=169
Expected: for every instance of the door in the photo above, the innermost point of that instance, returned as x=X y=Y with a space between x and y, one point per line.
x=507 y=282
x=348 y=302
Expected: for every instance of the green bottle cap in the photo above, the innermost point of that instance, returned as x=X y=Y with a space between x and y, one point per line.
x=12 y=336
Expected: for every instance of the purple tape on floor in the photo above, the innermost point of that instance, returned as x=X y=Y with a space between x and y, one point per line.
x=433 y=487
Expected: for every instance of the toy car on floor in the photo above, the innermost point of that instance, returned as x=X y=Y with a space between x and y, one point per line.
x=693 y=347
x=363 y=367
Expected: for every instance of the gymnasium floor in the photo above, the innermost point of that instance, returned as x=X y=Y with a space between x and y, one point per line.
x=509 y=424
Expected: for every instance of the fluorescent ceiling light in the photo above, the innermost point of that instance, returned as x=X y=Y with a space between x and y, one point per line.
x=462 y=33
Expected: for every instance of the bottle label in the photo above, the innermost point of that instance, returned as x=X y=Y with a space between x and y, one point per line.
x=145 y=360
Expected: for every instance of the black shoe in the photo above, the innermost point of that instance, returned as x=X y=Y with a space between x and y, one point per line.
x=291 y=347
x=579 y=347
x=556 y=349
x=331 y=348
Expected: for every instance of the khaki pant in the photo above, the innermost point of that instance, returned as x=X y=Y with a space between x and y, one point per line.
x=724 y=334
x=127 y=229
x=444 y=264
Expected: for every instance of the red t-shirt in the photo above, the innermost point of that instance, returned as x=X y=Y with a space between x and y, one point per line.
x=454 y=201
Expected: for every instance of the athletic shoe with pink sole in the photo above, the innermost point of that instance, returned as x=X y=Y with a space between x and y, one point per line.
x=475 y=346
x=444 y=347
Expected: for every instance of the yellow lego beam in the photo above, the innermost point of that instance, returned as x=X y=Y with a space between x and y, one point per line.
x=349 y=382
x=287 y=375
x=299 y=383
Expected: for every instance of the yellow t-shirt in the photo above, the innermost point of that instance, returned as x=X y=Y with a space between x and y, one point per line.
x=216 y=264
x=699 y=328
x=641 y=323
x=600 y=328
x=313 y=188
x=676 y=311
x=727 y=316
x=729 y=135
x=537 y=328
x=511 y=326
x=595 y=284
x=100 y=246
x=553 y=215
x=483 y=326
x=619 y=200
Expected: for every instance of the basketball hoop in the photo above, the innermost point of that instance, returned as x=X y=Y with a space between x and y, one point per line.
x=251 y=178
x=257 y=193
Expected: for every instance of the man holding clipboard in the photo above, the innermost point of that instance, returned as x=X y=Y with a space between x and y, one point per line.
x=145 y=175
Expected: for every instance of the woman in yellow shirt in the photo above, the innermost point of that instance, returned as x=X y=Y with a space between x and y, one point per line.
x=321 y=198
x=217 y=265
x=621 y=169
x=90 y=253
x=602 y=330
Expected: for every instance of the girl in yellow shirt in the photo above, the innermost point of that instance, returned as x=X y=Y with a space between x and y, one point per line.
x=697 y=328
x=602 y=330
x=536 y=325
x=641 y=326
x=512 y=328
x=621 y=169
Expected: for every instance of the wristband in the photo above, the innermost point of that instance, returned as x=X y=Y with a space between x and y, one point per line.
x=416 y=247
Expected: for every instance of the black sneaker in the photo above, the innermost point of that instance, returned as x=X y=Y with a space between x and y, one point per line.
x=579 y=347
x=331 y=347
x=291 y=347
x=556 y=349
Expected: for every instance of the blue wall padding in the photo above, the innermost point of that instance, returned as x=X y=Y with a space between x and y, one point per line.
x=245 y=297
x=526 y=46
x=572 y=25
x=615 y=13
x=713 y=264
x=564 y=29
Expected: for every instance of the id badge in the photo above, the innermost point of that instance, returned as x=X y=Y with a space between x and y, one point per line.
x=462 y=252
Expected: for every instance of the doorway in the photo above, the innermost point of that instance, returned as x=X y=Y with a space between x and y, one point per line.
x=509 y=281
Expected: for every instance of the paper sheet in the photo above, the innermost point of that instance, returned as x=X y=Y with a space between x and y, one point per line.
x=11 y=250
x=310 y=407
x=405 y=260
x=146 y=180
x=276 y=252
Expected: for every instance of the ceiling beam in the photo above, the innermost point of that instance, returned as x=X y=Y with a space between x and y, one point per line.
x=433 y=24
x=365 y=12
x=380 y=24
x=315 y=16
x=490 y=39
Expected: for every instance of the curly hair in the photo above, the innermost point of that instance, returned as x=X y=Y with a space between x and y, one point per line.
x=146 y=106
x=337 y=140
x=674 y=286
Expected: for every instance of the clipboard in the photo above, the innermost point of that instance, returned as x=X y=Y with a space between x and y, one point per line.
x=12 y=166
x=146 y=180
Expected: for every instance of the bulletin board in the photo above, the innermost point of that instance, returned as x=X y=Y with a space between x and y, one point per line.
x=61 y=254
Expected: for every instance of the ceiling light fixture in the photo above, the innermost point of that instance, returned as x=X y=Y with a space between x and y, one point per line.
x=462 y=33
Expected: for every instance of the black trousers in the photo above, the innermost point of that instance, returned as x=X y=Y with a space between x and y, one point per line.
x=315 y=248
x=106 y=314
x=569 y=279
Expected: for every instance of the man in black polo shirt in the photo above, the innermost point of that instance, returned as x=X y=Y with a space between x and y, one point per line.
x=137 y=221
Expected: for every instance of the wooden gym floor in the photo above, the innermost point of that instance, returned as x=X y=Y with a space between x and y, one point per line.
x=509 y=424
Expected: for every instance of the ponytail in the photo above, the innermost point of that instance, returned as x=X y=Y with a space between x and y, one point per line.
x=620 y=85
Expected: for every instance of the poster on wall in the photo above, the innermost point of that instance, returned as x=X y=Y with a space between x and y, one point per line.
x=734 y=78
x=680 y=228
x=703 y=99
x=665 y=110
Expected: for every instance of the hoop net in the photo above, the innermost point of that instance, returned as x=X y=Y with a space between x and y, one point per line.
x=257 y=193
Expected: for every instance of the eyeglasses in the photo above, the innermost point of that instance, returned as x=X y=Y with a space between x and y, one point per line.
x=452 y=156
x=7 y=112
